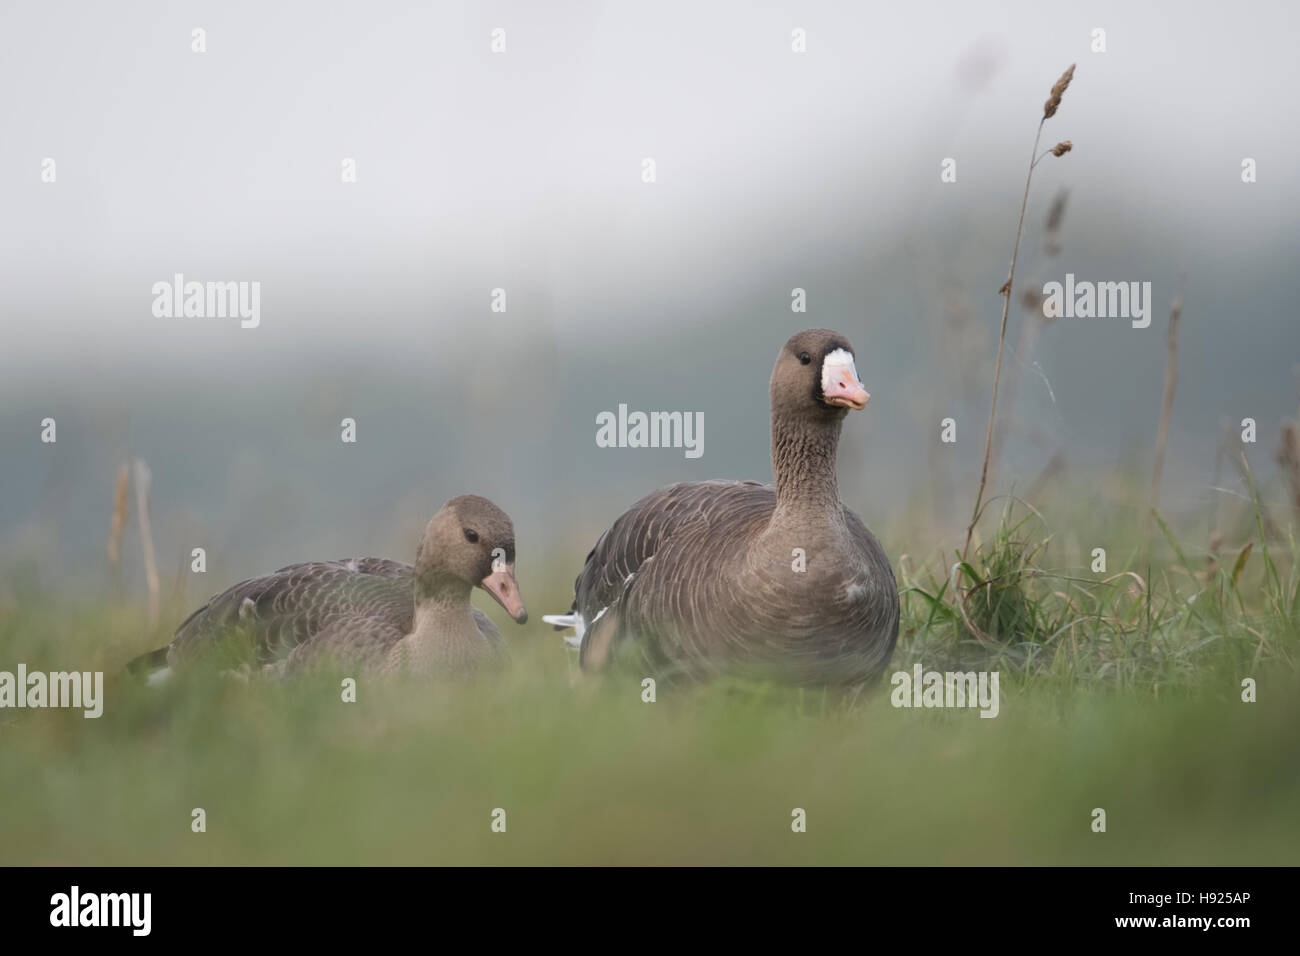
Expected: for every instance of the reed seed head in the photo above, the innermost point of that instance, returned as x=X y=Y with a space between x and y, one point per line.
x=1055 y=216
x=1054 y=101
x=1056 y=213
x=1061 y=148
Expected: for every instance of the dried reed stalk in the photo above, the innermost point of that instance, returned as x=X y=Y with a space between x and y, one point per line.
x=1031 y=300
x=1269 y=528
x=142 y=477
x=1049 y=110
x=1171 y=380
x=1221 y=453
x=118 y=524
x=1288 y=459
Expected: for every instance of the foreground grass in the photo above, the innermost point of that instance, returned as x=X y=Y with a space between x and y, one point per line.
x=1120 y=690
x=411 y=773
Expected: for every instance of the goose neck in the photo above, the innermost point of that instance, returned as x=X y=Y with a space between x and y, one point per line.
x=803 y=464
x=442 y=611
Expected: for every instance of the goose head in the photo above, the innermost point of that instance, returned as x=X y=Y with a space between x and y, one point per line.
x=470 y=543
x=815 y=377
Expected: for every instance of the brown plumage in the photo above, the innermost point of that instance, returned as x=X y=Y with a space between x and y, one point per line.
x=381 y=615
x=701 y=576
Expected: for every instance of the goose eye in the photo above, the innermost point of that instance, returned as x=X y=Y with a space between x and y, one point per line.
x=471 y=536
x=804 y=358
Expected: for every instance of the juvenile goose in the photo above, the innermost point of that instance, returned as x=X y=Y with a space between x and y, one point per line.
x=705 y=576
x=382 y=615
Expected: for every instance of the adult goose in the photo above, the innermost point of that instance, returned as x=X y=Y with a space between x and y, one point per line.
x=779 y=582
x=383 y=616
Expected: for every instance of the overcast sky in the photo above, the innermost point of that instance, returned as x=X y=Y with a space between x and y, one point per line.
x=522 y=170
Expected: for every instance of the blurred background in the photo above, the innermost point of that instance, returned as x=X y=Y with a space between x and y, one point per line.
x=522 y=170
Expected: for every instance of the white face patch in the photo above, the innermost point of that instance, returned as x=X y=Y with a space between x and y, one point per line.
x=836 y=363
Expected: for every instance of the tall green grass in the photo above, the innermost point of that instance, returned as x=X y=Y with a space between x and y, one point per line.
x=1120 y=690
x=1146 y=625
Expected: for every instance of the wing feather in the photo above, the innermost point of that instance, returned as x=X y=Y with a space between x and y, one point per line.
x=280 y=611
x=680 y=514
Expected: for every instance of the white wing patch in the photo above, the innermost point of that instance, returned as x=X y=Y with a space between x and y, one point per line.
x=576 y=621
x=573 y=620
